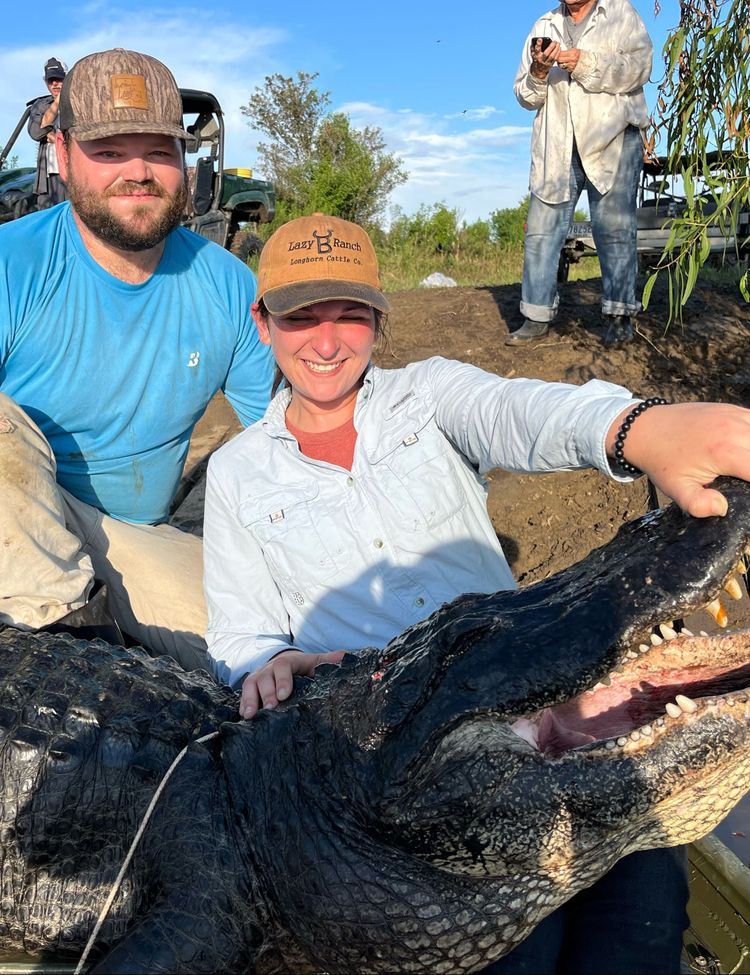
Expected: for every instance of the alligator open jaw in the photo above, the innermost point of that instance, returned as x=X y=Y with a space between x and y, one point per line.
x=655 y=685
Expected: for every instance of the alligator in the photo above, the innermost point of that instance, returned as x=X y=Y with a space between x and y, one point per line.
x=414 y=809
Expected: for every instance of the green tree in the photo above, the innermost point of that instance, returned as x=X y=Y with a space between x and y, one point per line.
x=10 y=163
x=315 y=158
x=702 y=116
x=507 y=225
x=434 y=228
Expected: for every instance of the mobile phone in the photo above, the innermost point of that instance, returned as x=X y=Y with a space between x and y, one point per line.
x=546 y=41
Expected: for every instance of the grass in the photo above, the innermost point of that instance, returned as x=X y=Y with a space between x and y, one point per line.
x=493 y=264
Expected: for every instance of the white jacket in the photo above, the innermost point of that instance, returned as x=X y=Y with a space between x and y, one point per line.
x=594 y=104
x=302 y=553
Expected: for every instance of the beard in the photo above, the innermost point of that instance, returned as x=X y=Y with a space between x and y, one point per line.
x=143 y=228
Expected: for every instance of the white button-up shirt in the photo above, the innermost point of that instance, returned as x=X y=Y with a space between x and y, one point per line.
x=594 y=104
x=301 y=553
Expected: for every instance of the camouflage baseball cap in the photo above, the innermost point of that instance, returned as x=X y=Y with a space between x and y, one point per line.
x=118 y=92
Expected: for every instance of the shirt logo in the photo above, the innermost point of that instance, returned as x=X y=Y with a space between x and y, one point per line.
x=193 y=359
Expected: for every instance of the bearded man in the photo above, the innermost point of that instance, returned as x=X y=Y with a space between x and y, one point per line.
x=117 y=327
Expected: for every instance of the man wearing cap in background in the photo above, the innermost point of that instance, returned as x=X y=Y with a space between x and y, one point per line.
x=117 y=327
x=43 y=128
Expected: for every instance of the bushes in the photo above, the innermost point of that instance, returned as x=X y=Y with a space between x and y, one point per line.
x=436 y=239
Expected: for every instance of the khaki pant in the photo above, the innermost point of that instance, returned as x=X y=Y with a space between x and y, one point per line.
x=53 y=546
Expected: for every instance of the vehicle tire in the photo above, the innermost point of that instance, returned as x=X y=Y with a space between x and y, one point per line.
x=246 y=244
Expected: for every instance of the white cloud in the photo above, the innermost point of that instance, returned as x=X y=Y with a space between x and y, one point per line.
x=476 y=170
x=476 y=114
x=198 y=54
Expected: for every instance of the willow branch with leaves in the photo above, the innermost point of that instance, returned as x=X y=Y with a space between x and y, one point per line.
x=702 y=116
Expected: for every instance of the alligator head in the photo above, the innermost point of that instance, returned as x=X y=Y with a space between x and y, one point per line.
x=414 y=809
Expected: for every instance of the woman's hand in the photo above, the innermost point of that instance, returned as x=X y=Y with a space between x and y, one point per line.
x=683 y=447
x=273 y=681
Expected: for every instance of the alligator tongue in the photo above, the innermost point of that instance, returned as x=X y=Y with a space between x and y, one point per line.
x=550 y=733
x=639 y=693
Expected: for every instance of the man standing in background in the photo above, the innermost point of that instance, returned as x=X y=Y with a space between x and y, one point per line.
x=43 y=128
x=582 y=71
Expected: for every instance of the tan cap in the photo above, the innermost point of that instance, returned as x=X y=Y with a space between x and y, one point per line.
x=119 y=92
x=318 y=258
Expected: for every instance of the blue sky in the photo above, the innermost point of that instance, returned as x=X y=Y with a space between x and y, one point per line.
x=437 y=78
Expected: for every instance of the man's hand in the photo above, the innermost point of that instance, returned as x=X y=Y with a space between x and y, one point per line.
x=568 y=59
x=273 y=681
x=542 y=61
x=683 y=447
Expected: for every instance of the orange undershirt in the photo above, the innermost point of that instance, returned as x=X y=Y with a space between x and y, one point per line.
x=333 y=446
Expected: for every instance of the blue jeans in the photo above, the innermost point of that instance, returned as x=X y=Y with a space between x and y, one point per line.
x=630 y=922
x=614 y=228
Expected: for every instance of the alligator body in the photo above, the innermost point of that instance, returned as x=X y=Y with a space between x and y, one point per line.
x=414 y=809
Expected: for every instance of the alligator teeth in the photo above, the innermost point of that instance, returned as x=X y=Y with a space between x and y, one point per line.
x=741 y=566
x=656 y=641
x=686 y=632
x=672 y=710
x=667 y=632
x=610 y=744
x=631 y=655
x=622 y=741
x=660 y=722
x=686 y=704
x=716 y=609
x=635 y=736
x=732 y=588
x=647 y=730
x=644 y=648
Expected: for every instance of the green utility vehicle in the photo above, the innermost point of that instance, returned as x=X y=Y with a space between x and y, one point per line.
x=224 y=205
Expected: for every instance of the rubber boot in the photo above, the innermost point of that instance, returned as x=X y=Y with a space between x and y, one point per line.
x=91 y=622
x=528 y=332
x=618 y=330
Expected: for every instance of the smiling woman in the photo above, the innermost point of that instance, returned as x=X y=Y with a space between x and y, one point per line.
x=357 y=506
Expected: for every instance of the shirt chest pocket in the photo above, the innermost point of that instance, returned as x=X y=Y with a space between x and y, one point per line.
x=417 y=469
x=293 y=527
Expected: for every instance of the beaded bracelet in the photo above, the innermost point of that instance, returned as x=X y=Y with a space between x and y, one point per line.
x=627 y=423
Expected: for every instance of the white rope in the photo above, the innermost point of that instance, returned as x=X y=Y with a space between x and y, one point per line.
x=136 y=839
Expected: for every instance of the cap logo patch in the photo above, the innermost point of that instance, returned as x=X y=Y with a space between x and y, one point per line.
x=323 y=241
x=129 y=91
